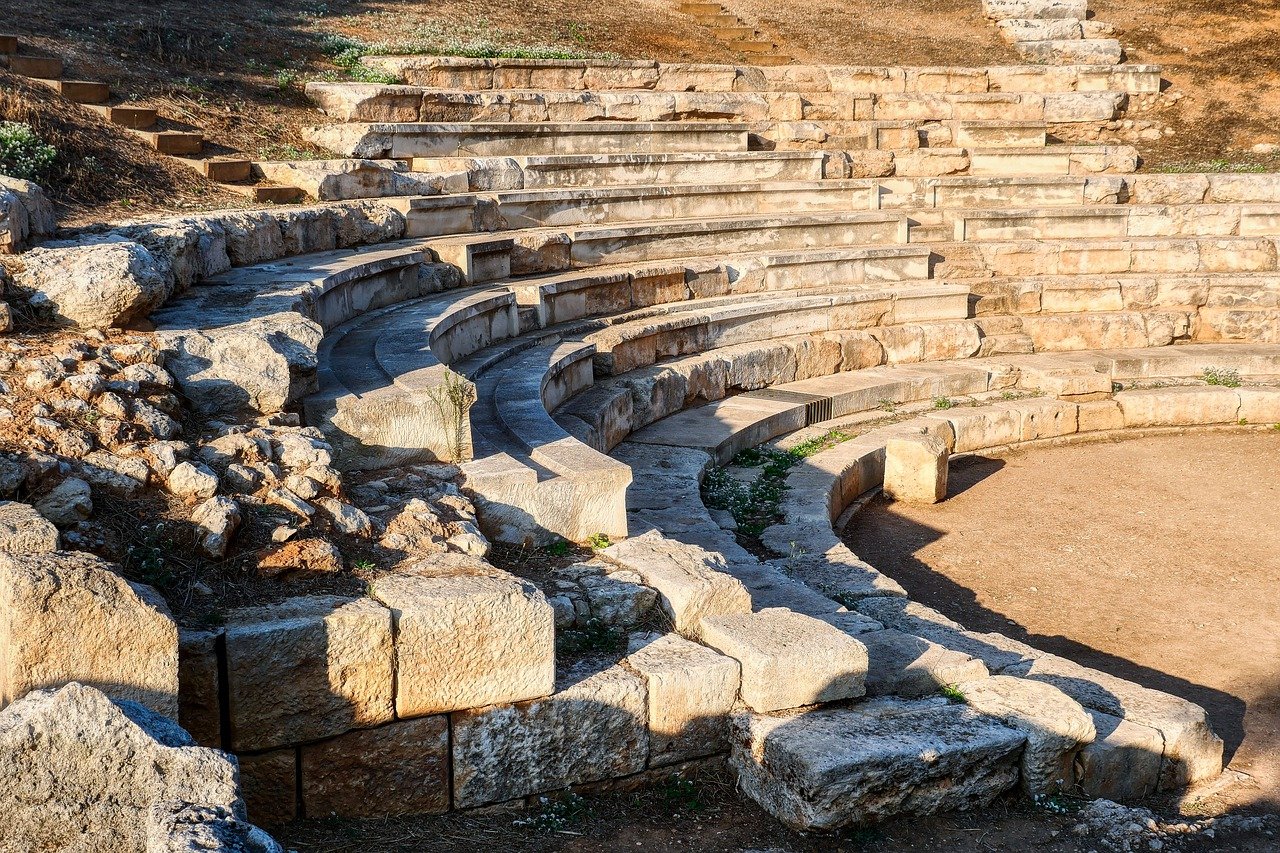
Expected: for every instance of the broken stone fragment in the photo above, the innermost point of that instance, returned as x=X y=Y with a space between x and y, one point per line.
x=216 y=521
x=23 y=530
x=301 y=556
x=67 y=503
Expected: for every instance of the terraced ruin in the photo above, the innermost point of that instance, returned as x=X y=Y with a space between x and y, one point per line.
x=508 y=464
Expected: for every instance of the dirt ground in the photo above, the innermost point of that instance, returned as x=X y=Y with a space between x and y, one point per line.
x=1154 y=559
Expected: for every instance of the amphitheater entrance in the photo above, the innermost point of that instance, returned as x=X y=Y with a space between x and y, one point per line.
x=1154 y=559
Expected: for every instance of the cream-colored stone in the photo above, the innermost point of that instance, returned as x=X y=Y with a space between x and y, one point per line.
x=1179 y=406
x=788 y=659
x=1056 y=726
x=307 y=668
x=691 y=692
x=467 y=635
x=691 y=582
x=915 y=469
x=1123 y=763
x=592 y=729
x=69 y=617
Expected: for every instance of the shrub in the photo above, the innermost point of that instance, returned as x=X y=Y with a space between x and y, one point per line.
x=1224 y=376
x=22 y=153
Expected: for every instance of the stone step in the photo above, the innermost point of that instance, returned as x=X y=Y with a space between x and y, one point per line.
x=397 y=103
x=1054 y=160
x=1014 y=30
x=1216 y=295
x=127 y=115
x=754 y=47
x=404 y=140
x=770 y=60
x=41 y=67
x=79 y=91
x=171 y=141
x=1195 y=220
x=221 y=169
x=701 y=8
x=902 y=135
x=1090 y=256
x=717 y=18
x=266 y=193
x=733 y=34
x=481 y=74
x=8 y=44
x=1039 y=10
x=1072 y=51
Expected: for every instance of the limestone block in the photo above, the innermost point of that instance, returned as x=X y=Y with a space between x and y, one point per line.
x=1035 y=9
x=69 y=502
x=26 y=214
x=618 y=599
x=691 y=692
x=989 y=426
x=176 y=827
x=198 y=687
x=1259 y=405
x=1179 y=406
x=1055 y=725
x=829 y=768
x=901 y=664
x=82 y=773
x=788 y=659
x=1100 y=415
x=691 y=582
x=69 y=617
x=270 y=784
x=915 y=469
x=1123 y=763
x=592 y=729
x=1046 y=418
x=1193 y=753
x=463 y=640
x=23 y=530
x=307 y=668
x=398 y=769
x=97 y=282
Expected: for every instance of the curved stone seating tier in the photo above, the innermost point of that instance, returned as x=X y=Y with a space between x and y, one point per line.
x=365 y=102
x=555 y=74
x=913 y=650
x=403 y=140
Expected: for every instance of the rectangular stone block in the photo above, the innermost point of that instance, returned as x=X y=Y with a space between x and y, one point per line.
x=1100 y=415
x=592 y=729
x=915 y=469
x=690 y=581
x=307 y=668
x=789 y=659
x=467 y=640
x=1123 y=763
x=269 y=785
x=198 y=687
x=691 y=693
x=1179 y=406
x=1259 y=405
x=901 y=664
x=829 y=768
x=401 y=768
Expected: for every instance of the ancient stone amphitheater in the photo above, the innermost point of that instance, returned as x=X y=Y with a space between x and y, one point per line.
x=591 y=285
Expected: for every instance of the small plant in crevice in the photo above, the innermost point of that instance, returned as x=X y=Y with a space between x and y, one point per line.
x=682 y=794
x=952 y=692
x=1227 y=377
x=943 y=403
x=887 y=406
x=598 y=541
x=1057 y=804
x=595 y=637
x=453 y=397
x=554 y=815
x=558 y=548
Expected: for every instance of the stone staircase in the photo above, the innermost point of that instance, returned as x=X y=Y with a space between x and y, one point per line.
x=1055 y=31
x=144 y=122
x=613 y=275
x=736 y=33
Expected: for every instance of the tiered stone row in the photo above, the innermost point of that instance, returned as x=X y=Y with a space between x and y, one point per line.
x=1055 y=31
x=588 y=250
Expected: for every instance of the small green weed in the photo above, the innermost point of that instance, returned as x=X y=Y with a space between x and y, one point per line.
x=952 y=692
x=364 y=565
x=943 y=403
x=559 y=548
x=598 y=541
x=595 y=637
x=1225 y=376
x=887 y=406
x=23 y=154
x=1057 y=804
x=554 y=815
x=682 y=795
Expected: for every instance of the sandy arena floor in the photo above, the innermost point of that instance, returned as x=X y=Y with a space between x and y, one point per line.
x=1156 y=560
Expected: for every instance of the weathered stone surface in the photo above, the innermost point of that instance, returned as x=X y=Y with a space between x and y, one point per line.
x=397 y=769
x=216 y=521
x=307 y=668
x=345 y=517
x=1179 y=406
x=23 y=530
x=788 y=659
x=690 y=581
x=69 y=617
x=198 y=688
x=592 y=729
x=901 y=664
x=1123 y=763
x=82 y=773
x=301 y=557
x=691 y=692
x=467 y=635
x=619 y=599
x=98 y=282
x=176 y=827
x=1055 y=725
x=67 y=503
x=884 y=758
x=328 y=180
x=915 y=469
x=193 y=481
x=26 y=214
x=1193 y=752
x=269 y=781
